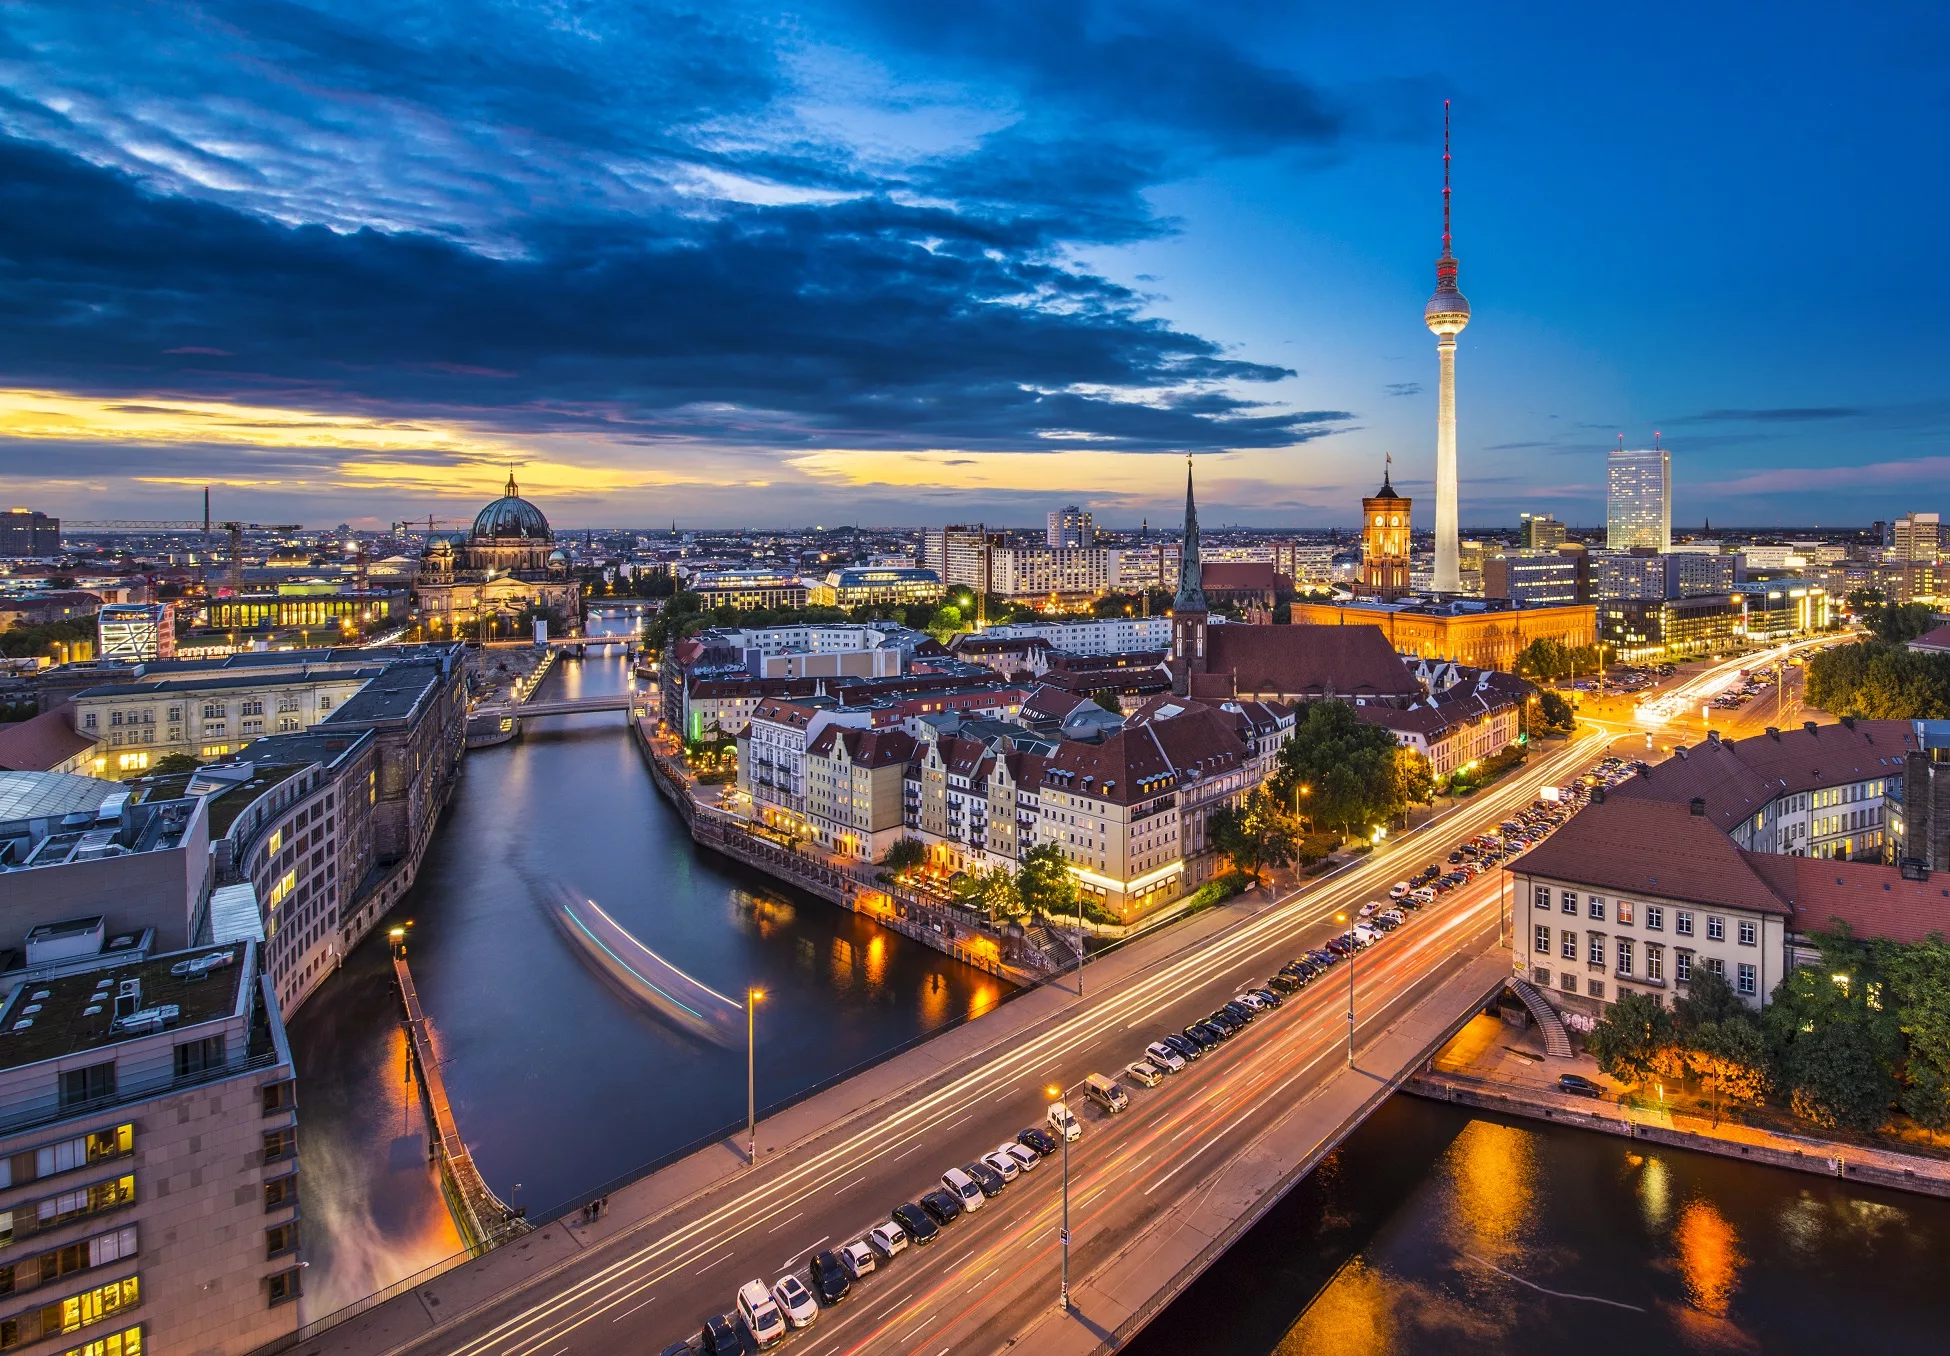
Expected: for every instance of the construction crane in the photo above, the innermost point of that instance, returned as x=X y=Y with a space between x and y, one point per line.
x=235 y=529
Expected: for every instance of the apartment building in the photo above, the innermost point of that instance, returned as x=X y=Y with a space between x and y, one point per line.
x=854 y=782
x=148 y=1157
x=1106 y=635
x=1062 y=572
x=1452 y=729
x=1639 y=896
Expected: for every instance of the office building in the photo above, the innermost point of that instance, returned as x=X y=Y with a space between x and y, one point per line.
x=134 y=632
x=150 y=1126
x=208 y=715
x=24 y=532
x=1778 y=609
x=1653 y=628
x=1070 y=527
x=878 y=585
x=1385 y=542
x=746 y=590
x=1106 y=635
x=1638 y=498
x=1532 y=578
x=1916 y=539
x=1540 y=532
x=1638 y=574
x=959 y=554
x=1043 y=572
x=321 y=607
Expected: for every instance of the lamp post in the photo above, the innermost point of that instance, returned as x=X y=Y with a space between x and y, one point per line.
x=752 y=999
x=1054 y=1094
x=1352 y=947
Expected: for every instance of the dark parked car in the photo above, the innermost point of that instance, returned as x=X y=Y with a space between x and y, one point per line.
x=831 y=1279
x=1035 y=1139
x=1219 y=1029
x=987 y=1178
x=1186 y=1047
x=1287 y=981
x=1240 y=1012
x=679 y=1349
x=1340 y=946
x=723 y=1337
x=1202 y=1038
x=1267 y=996
x=1580 y=1086
x=916 y=1221
x=942 y=1207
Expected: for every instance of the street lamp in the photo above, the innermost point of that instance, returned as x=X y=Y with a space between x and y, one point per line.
x=1352 y=947
x=1054 y=1094
x=753 y=997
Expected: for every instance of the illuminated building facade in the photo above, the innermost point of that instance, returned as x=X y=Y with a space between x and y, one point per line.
x=1385 y=548
x=507 y=565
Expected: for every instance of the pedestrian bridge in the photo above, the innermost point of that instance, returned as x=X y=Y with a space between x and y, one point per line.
x=609 y=701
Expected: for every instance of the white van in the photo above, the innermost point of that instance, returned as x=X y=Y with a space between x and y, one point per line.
x=760 y=1313
x=1062 y=1122
x=964 y=1189
x=1105 y=1093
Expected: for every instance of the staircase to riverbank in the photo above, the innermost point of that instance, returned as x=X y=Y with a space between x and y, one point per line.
x=1557 y=1041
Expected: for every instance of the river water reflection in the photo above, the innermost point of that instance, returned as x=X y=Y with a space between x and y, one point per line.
x=1438 y=1230
x=559 y=1083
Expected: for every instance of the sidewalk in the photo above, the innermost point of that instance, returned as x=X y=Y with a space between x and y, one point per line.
x=1498 y=1068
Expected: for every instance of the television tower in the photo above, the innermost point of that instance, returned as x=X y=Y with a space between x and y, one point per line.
x=1445 y=315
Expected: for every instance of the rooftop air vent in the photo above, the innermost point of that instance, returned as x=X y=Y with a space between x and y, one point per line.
x=23 y=1023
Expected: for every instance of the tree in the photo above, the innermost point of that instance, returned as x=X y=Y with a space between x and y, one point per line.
x=1730 y=1060
x=1919 y=993
x=1880 y=680
x=993 y=891
x=175 y=762
x=1835 y=1045
x=1630 y=1038
x=1045 y=884
x=1711 y=1001
x=1107 y=699
x=1554 y=712
x=1900 y=623
x=1349 y=767
x=904 y=855
x=1255 y=835
x=1414 y=778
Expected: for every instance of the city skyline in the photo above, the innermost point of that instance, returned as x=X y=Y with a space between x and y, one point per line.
x=825 y=288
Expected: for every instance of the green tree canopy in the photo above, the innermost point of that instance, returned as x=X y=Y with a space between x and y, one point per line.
x=1045 y=884
x=1880 y=680
x=1258 y=834
x=1350 y=768
x=1554 y=712
x=904 y=855
x=1630 y=1038
x=1835 y=1045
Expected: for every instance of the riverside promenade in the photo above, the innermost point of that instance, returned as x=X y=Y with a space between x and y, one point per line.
x=1492 y=1067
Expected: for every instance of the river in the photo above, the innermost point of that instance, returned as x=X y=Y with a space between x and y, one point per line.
x=1435 y=1230
x=560 y=1085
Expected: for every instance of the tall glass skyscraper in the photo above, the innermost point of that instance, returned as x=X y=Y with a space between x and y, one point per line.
x=1638 y=498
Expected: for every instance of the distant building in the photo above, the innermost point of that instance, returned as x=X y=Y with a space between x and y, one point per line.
x=1656 y=628
x=1775 y=610
x=1540 y=532
x=25 y=532
x=1107 y=635
x=959 y=554
x=879 y=585
x=1532 y=578
x=1482 y=633
x=1070 y=527
x=749 y=589
x=1028 y=572
x=1385 y=542
x=1452 y=729
x=136 y=631
x=1636 y=574
x=507 y=565
x=1916 y=539
x=1638 y=498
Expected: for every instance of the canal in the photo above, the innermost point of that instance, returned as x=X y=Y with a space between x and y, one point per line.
x=559 y=1083
x=1435 y=1230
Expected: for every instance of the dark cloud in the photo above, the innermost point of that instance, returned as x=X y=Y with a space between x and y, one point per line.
x=858 y=323
x=1403 y=388
x=1801 y=415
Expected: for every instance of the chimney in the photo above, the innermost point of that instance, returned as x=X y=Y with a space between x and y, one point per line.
x=1643 y=769
x=1698 y=806
x=1848 y=722
x=1713 y=736
x=1809 y=726
x=1774 y=733
x=1597 y=795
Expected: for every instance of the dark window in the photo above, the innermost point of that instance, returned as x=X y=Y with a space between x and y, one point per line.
x=281 y=1191
x=93 y=1083
x=194 y=1057
x=280 y=1239
x=284 y=1287
x=280 y=1144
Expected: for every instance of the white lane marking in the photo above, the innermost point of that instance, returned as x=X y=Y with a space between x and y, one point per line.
x=787 y=1220
x=918 y=1326
x=633 y=1308
x=806 y=1251
x=895 y=1305
x=709 y=1265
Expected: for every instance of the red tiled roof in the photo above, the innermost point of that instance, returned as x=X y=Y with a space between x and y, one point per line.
x=1936 y=638
x=1737 y=777
x=40 y=743
x=1224 y=576
x=1304 y=662
x=1652 y=847
x=1874 y=901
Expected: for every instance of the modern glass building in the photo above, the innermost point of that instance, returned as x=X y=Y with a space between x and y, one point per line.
x=1638 y=498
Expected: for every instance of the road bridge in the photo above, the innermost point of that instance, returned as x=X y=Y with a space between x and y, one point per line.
x=1154 y=1194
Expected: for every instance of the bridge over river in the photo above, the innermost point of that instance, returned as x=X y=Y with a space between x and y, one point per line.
x=1154 y=1194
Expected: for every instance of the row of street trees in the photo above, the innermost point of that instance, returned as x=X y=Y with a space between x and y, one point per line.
x=1041 y=888
x=1840 y=1044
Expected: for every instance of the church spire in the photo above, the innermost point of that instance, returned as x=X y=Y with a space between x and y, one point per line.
x=1191 y=588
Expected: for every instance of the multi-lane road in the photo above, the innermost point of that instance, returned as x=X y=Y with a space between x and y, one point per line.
x=993 y=1275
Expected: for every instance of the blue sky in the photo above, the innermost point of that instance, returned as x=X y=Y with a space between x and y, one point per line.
x=867 y=261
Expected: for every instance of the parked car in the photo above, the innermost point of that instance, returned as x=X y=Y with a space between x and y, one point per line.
x=1026 y=1157
x=1063 y=1122
x=1399 y=889
x=917 y=1223
x=1187 y=1048
x=1167 y=1059
x=944 y=1207
x=1580 y=1086
x=831 y=1279
x=1286 y=981
x=1105 y=1093
x=797 y=1301
x=760 y=1313
x=1251 y=1000
x=988 y=1179
x=1266 y=996
x=858 y=1259
x=888 y=1240
x=1144 y=1073
x=1203 y=1039
x=1036 y=1138
x=1002 y=1163
x=722 y=1338
x=965 y=1188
